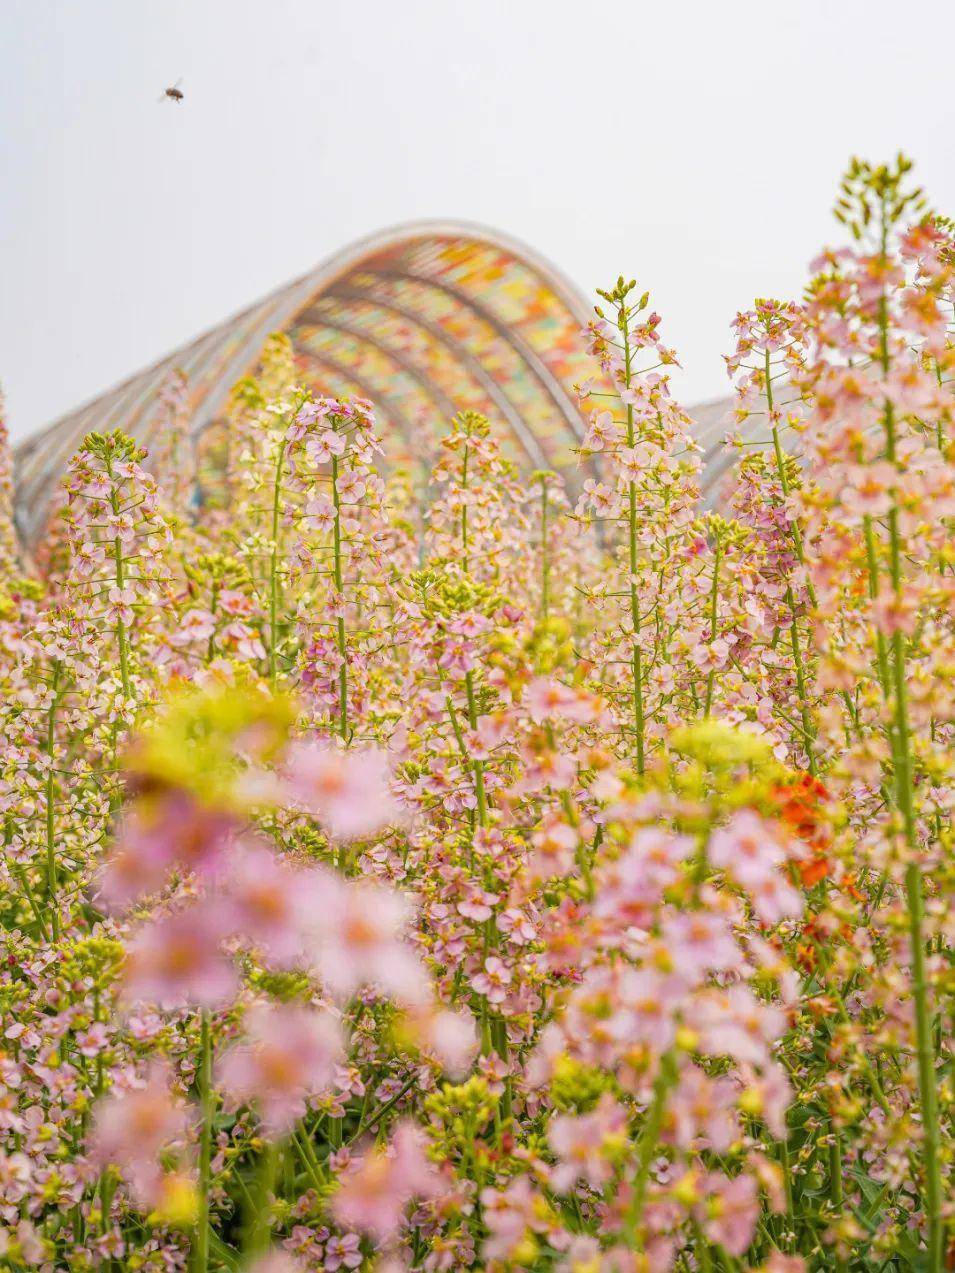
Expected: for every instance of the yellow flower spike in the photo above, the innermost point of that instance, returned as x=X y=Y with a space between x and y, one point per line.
x=194 y=739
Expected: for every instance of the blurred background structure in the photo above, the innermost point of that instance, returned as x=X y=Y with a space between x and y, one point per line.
x=423 y=320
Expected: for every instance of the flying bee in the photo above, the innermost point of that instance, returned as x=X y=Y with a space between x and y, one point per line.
x=175 y=94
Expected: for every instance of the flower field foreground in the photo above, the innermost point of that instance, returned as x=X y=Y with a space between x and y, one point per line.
x=478 y=881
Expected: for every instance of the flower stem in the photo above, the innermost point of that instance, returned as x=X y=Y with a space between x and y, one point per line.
x=905 y=800
x=340 y=627
x=274 y=566
x=639 y=720
x=200 y=1262
x=51 y=872
x=545 y=555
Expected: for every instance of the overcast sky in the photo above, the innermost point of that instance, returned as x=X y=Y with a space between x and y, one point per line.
x=695 y=146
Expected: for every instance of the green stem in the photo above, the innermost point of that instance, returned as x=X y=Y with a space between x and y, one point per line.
x=259 y=1229
x=714 y=600
x=639 y=720
x=477 y=765
x=274 y=566
x=925 y=1052
x=51 y=873
x=545 y=554
x=340 y=626
x=650 y=1138
x=802 y=685
x=200 y=1262
x=835 y=1181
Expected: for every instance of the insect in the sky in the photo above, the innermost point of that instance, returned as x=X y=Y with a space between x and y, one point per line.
x=175 y=94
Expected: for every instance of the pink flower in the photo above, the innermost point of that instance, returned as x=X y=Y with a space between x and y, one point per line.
x=92 y=1041
x=343 y=1253
x=162 y=831
x=176 y=959
x=373 y=1198
x=508 y=1215
x=735 y=1023
x=746 y=849
x=275 y=1262
x=320 y=514
x=634 y=883
x=289 y=1055
x=131 y=1128
x=700 y=943
x=731 y=1212
x=545 y=697
x=775 y=900
x=586 y=1144
x=269 y=904
x=357 y=937
x=704 y=1107
x=768 y=1095
x=494 y=980
x=452 y=1037
x=322 y=446
x=652 y=998
x=348 y=791
x=555 y=844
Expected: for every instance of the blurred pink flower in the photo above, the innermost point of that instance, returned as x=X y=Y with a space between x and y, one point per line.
x=373 y=1198
x=585 y=1144
x=732 y=1208
x=289 y=1055
x=268 y=903
x=358 y=937
x=746 y=849
x=347 y=791
x=176 y=959
x=131 y=1127
x=704 y=1107
x=159 y=832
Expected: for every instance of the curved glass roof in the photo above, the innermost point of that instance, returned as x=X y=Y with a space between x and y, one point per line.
x=424 y=320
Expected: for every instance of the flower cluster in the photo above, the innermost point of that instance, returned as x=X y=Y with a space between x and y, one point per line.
x=514 y=877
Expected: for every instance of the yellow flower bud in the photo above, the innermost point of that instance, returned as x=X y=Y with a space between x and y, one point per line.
x=687 y=1039
x=179 y=1202
x=685 y=1190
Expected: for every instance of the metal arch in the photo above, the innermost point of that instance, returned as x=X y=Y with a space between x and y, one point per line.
x=491 y=387
x=433 y=391
x=545 y=377
x=231 y=348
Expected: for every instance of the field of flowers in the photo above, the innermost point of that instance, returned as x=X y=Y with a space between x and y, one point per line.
x=484 y=881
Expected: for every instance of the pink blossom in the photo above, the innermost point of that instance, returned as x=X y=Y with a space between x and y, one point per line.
x=356 y=937
x=703 y=1107
x=747 y=849
x=131 y=1127
x=343 y=1252
x=373 y=1197
x=494 y=980
x=176 y=959
x=268 y=903
x=733 y=1022
x=731 y=1212
x=700 y=943
x=348 y=791
x=586 y=1145
x=162 y=831
x=289 y=1055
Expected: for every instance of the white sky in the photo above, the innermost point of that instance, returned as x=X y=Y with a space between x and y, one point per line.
x=695 y=146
